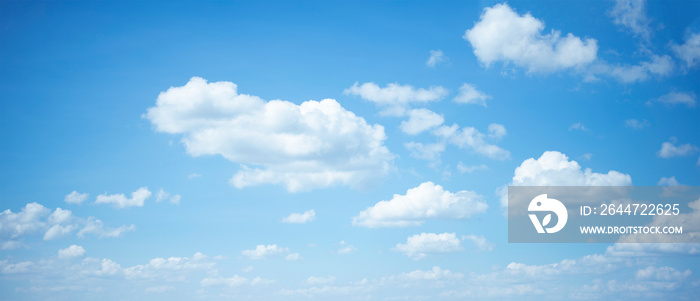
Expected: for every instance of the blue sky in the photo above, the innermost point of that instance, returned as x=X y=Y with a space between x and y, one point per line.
x=335 y=150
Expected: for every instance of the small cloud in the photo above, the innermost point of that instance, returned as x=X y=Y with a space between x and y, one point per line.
x=579 y=127
x=76 y=198
x=247 y=269
x=678 y=98
x=669 y=149
x=194 y=176
x=163 y=195
x=293 y=257
x=420 y=245
x=264 y=251
x=120 y=201
x=470 y=169
x=436 y=57
x=470 y=95
x=671 y=181
x=320 y=280
x=346 y=248
x=587 y=156
x=71 y=252
x=300 y=218
x=689 y=52
x=636 y=124
x=480 y=242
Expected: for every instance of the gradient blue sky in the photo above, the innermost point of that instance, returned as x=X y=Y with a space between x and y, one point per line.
x=77 y=80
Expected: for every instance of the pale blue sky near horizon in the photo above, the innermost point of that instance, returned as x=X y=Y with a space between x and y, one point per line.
x=77 y=80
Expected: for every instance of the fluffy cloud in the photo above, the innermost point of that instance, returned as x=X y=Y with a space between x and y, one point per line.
x=503 y=35
x=263 y=251
x=76 y=197
x=300 y=218
x=71 y=252
x=631 y=15
x=420 y=245
x=436 y=57
x=163 y=195
x=678 y=98
x=121 y=201
x=421 y=120
x=669 y=149
x=553 y=168
x=312 y=145
x=689 y=52
x=171 y=268
x=418 y=204
x=35 y=218
x=469 y=94
x=471 y=138
x=395 y=99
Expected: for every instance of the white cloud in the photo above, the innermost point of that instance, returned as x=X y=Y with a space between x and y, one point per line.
x=96 y=227
x=471 y=138
x=163 y=195
x=396 y=99
x=481 y=243
x=420 y=203
x=671 y=181
x=434 y=274
x=312 y=145
x=76 y=198
x=71 y=252
x=234 y=281
x=470 y=169
x=436 y=57
x=579 y=127
x=421 y=120
x=160 y=289
x=469 y=94
x=553 y=168
x=678 y=98
x=657 y=66
x=300 y=218
x=15 y=268
x=58 y=231
x=420 y=245
x=665 y=273
x=263 y=251
x=496 y=130
x=346 y=248
x=35 y=218
x=503 y=35
x=689 y=52
x=293 y=257
x=631 y=15
x=430 y=152
x=636 y=124
x=194 y=176
x=120 y=201
x=320 y=280
x=669 y=149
